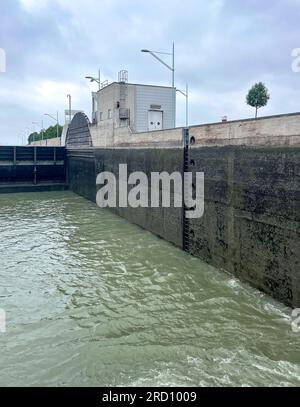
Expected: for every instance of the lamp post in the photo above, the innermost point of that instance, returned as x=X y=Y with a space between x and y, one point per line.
x=22 y=137
x=171 y=68
x=29 y=131
x=42 y=128
x=56 y=119
x=34 y=124
x=186 y=95
x=97 y=80
x=70 y=107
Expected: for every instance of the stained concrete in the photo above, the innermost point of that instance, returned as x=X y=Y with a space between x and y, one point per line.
x=278 y=130
x=24 y=187
x=84 y=166
x=250 y=227
x=251 y=224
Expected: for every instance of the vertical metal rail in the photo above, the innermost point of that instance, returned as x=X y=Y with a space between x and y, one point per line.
x=35 y=166
x=15 y=155
x=186 y=166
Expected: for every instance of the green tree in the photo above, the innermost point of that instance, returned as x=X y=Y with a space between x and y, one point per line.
x=258 y=96
x=33 y=137
x=51 y=132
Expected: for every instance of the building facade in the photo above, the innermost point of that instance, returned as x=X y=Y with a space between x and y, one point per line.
x=141 y=107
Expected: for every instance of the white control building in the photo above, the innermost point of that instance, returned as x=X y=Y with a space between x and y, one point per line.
x=142 y=108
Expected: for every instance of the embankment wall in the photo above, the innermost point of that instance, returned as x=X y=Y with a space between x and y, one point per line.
x=251 y=223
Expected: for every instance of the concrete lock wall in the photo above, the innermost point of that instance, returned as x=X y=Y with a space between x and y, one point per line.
x=109 y=136
x=251 y=224
x=274 y=130
x=84 y=166
x=52 y=142
x=250 y=227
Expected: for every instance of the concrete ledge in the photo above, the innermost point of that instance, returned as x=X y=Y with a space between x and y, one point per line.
x=31 y=163
x=41 y=187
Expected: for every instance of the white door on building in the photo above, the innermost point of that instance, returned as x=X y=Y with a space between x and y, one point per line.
x=155 y=120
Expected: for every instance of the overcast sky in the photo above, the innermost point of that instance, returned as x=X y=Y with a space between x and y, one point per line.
x=222 y=48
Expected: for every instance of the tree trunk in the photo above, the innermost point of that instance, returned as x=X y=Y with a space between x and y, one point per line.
x=256 y=109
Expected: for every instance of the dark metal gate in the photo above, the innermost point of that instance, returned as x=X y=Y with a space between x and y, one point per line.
x=78 y=134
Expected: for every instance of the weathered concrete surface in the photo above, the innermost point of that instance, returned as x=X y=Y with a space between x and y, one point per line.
x=164 y=222
x=283 y=130
x=84 y=166
x=251 y=224
x=52 y=142
x=81 y=172
x=156 y=139
x=41 y=187
x=109 y=136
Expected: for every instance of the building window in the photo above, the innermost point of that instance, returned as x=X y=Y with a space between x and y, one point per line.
x=101 y=116
x=109 y=113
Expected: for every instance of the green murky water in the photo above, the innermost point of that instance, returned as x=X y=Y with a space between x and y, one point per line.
x=93 y=300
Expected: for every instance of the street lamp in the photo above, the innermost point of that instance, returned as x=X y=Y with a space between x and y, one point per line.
x=34 y=131
x=42 y=128
x=22 y=137
x=29 y=130
x=186 y=95
x=56 y=119
x=171 y=68
x=70 y=107
x=97 y=80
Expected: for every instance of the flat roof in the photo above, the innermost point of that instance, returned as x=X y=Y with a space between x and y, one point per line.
x=136 y=84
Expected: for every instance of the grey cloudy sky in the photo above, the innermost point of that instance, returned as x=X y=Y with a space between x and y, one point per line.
x=222 y=48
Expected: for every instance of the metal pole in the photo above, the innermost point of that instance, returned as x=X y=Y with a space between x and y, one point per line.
x=70 y=107
x=57 y=125
x=187 y=105
x=173 y=86
x=98 y=98
x=42 y=129
x=172 y=68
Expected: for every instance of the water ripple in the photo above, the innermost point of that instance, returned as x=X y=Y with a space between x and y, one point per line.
x=94 y=300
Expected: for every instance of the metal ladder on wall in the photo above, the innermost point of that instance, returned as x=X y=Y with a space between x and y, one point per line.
x=186 y=167
x=124 y=111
